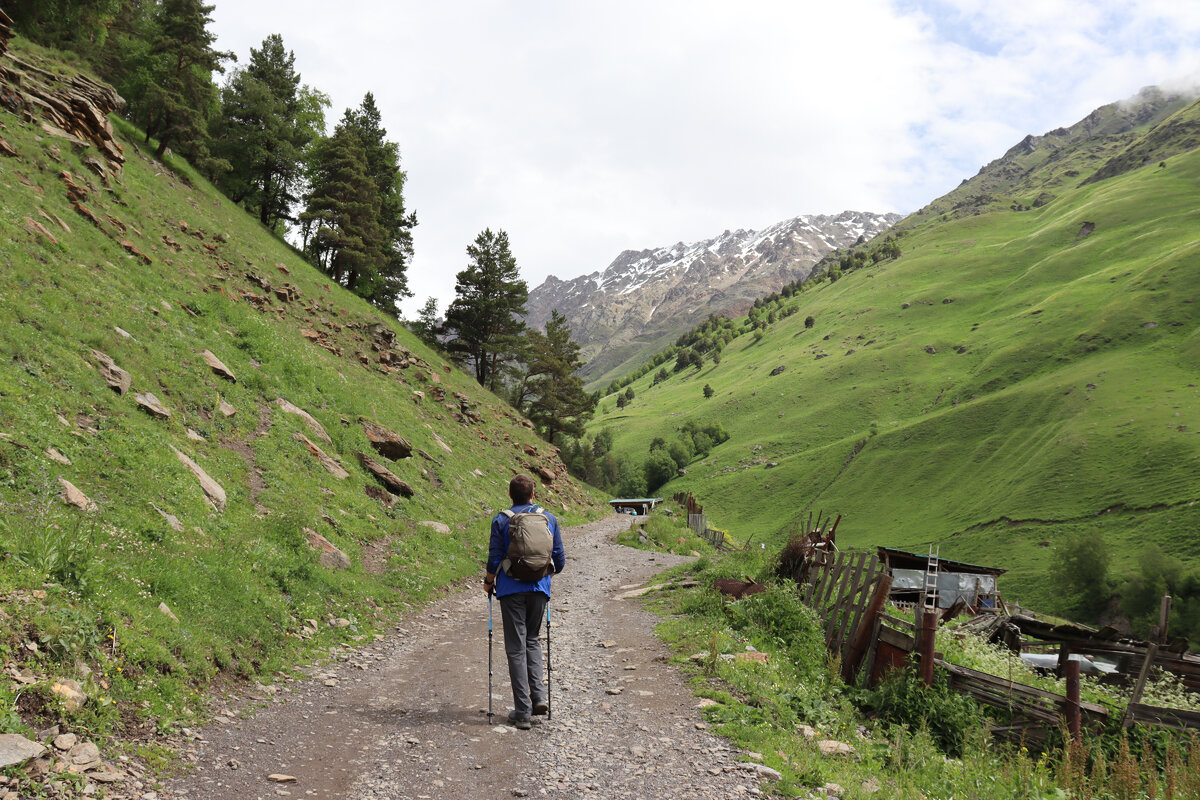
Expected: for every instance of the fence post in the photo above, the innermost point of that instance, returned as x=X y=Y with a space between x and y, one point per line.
x=866 y=628
x=928 y=639
x=1140 y=686
x=1073 y=713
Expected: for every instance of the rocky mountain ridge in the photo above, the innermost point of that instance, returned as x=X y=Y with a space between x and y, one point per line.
x=644 y=298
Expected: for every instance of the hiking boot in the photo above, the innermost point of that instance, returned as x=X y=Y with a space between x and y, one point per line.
x=541 y=708
x=518 y=722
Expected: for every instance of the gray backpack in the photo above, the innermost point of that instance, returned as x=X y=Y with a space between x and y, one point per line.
x=530 y=545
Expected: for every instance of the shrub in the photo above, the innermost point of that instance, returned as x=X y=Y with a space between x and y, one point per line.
x=949 y=716
x=659 y=468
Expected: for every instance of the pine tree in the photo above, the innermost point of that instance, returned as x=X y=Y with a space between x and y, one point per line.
x=383 y=165
x=551 y=394
x=266 y=123
x=427 y=323
x=484 y=321
x=341 y=218
x=182 y=94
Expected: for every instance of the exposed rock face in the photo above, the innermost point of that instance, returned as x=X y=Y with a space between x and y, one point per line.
x=14 y=748
x=117 y=379
x=387 y=444
x=384 y=476
x=331 y=557
x=643 y=299
x=212 y=489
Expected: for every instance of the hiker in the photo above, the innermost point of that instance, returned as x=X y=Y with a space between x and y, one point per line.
x=521 y=581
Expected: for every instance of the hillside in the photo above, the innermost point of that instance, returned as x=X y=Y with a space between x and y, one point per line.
x=1020 y=372
x=644 y=299
x=208 y=454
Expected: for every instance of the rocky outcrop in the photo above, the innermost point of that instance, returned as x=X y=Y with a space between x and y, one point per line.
x=328 y=462
x=330 y=556
x=212 y=490
x=386 y=443
x=317 y=428
x=217 y=366
x=117 y=379
x=645 y=298
x=384 y=476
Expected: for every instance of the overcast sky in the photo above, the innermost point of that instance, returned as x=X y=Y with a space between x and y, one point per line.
x=587 y=128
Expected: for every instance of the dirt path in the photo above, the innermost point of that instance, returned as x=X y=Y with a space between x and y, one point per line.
x=404 y=718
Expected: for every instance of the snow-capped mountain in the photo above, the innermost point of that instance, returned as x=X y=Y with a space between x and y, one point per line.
x=643 y=299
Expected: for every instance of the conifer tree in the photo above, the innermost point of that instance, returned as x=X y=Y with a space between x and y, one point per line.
x=267 y=120
x=341 y=218
x=182 y=94
x=427 y=323
x=551 y=394
x=390 y=284
x=484 y=320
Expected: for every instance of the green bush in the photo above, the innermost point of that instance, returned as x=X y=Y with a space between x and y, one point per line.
x=903 y=699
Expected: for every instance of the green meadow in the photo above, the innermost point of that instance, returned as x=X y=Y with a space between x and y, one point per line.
x=1008 y=379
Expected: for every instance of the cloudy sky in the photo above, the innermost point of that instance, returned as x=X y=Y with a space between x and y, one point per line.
x=587 y=128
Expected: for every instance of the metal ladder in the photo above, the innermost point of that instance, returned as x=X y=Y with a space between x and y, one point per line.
x=931 y=584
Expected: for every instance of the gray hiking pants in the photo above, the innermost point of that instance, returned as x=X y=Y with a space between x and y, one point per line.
x=523 y=613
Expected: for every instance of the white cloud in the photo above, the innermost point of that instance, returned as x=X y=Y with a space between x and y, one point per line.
x=584 y=129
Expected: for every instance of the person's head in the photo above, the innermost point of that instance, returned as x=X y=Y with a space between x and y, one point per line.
x=520 y=489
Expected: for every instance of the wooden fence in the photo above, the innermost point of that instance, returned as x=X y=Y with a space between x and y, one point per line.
x=847 y=590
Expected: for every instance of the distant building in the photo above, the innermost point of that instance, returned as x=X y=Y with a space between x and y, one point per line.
x=639 y=505
x=975 y=585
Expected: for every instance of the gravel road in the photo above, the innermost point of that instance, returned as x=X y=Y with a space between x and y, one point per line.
x=405 y=717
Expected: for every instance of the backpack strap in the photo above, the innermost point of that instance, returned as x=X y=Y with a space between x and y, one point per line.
x=508 y=512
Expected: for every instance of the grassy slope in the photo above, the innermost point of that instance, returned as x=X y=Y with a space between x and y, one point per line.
x=241 y=581
x=1065 y=410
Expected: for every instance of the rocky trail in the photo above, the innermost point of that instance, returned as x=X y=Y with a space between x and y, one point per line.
x=405 y=717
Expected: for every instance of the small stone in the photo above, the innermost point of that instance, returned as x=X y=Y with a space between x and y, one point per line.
x=165 y=610
x=438 y=527
x=124 y=334
x=117 y=379
x=217 y=366
x=195 y=437
x=226 y=409
x=828 y=747
x=16 y=749
x=53 y=454
x=65 y=741
x=278 y=777
x=807 y=731
x=73 y=497
x=152 y=405
x=613 y=690
x=871 y=786
x=763 y=771
x=83 y=756
x=706 y=702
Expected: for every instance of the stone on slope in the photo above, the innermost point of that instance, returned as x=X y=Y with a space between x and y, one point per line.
x=73 y=697
x=384 y=475
x=16 y=749
x=331 y=557
x=226 y=409
x=172 y=520
x=317 y=428
x=152 y=405
x=212 y=489
x=165 y=610
x=439 y=527
x=73 y=497
x=117 y=379
x=216 y=366
x=328 y=462
x=53 y=454
x=546 y=475
x=386 y=443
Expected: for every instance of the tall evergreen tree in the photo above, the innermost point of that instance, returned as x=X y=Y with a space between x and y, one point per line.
x=484 y=321
x=183 y=94
x=341 y=218
x=551 y=394
x=383 y=165
x=427 y=323
x=263 y=129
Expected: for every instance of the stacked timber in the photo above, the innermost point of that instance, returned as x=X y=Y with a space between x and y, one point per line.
x=74 y=108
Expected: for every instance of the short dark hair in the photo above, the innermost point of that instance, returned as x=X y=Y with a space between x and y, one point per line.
x=520 y=489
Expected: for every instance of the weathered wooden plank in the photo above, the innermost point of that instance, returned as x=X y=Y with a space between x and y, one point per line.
x=1018 y=689
x=841 y=596
x=852 y=604
x=834 y=579
x=896 y=622
x=868 y=587
x=897 y=639
x=1177 y=718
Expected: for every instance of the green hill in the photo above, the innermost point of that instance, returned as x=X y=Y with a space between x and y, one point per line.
x=1023 y=370
x=149 y=267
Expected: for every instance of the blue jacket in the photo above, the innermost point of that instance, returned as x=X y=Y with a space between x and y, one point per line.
x=498 y=549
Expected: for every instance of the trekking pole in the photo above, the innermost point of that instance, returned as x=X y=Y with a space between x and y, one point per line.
x=489 y=658
x=549 y=668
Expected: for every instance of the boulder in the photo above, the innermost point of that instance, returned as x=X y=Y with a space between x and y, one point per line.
x=331 y=557
x=439 y=527
x=226 y=409
x=117 y=379
x=212 y=489
x=53 y=454
x=316 y=427
x=384 y=476
x=152 y=405
x=546 y=475
x=73 y=697
x=73 y=497
x=330 y=464
x=216 y=366
x=16 y=749
x=83 y=756
x=387 y=444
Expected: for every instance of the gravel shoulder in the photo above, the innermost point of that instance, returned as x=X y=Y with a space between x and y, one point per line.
x=406 y=716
